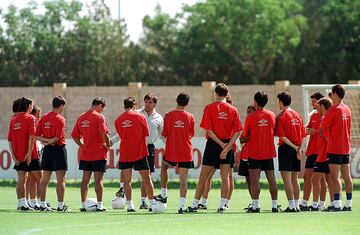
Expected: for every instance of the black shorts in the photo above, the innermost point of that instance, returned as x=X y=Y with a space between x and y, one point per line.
x=322 y=167
x=33 y=166
x=150 y=158
x=287 y=159
x=212 y=154
x=310 y=161
x=98 y=165
x=187 y=165
x=338 y=159
x=54 y=158
x=243 y=168
x=138 y=165
x=264 y=165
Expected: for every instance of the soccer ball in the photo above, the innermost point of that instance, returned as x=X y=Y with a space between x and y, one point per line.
x=118 y=203
x=159 y=207
x=91 y=204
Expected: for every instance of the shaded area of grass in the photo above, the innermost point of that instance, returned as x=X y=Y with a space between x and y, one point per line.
x=173 y=184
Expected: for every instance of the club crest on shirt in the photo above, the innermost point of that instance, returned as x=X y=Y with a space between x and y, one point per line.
x=47 y=125
x=345 y=117
x=222 y=115
x=263 y=122
x=179 y=124
x=126 y=123
x=85 y=124
x=295 y=122
x=17 y=126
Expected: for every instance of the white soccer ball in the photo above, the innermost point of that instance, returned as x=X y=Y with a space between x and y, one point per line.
x=118 y=203
x=159 y=207
x=91 y=204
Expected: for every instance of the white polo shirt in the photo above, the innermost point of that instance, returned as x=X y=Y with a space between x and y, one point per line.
x=155 y=122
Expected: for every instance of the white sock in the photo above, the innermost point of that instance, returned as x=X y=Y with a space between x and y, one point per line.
x=100 y=205
x=332 y=203
x=32 y=202
x=296 y=204
x=274 y=204
x=82 y=204
x=21 y=202
x=121 y=185
x=315 y=204
x=43 y=204
x=151 y=202
x=163 y=192
x=195 y=203
x=255 y=204
x=28 y=201
x=348 y=203
x=304 y=202
x=182 y=201
x=203 y=201
x=337 y=203
x=61 y=205
x=142 y=200
x=222 y=202
x=130 y=204
x=227 y=203
x=321 y=205
x=291 y=204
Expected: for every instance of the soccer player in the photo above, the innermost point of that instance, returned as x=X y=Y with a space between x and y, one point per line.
x=132 y=129
x=21 y=139
x=222 y=124
x=338 y=122
x=259 y=128
x=290 y=129
x=204 y=197
x=312 y=129
x=244 y=155
x=178 y=131
x=321 y=166
x=92 y=128
x=52 y=127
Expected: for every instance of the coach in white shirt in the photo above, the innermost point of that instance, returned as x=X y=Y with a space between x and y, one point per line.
x=155 y=122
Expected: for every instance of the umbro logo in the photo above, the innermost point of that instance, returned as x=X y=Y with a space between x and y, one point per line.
x=179 y=124
x=263 y=122
x=295 y=122
x=345 y=117
x=17 y=126
x=47 y=125
x=222 y=115
x=85 y=124
x=126 y=123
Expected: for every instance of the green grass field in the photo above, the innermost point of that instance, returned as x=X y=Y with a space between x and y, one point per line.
x=234 y=221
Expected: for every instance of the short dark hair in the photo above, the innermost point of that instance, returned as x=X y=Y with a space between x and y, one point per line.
x=339 y=90
x=326 y=102
x=15 y=106
x=58 y=101
x=24 y=104
x=183 y=99
x=98 y=101
x=35 y=110
x=285 y=98
x=129 y=102
x=317 y=95
x=261 y=98
x=152 y=97
x=221 y=89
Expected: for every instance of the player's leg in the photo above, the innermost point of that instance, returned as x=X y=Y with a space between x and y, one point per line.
x=126 y=175
x=43 y=189
x=35 y=187
x=150 y=159
x=149 y=187
x=296 y=188
x=183 y=176
x=309 y=169
x=84 y=188
x=254 y=176
x=316 y=184
x=60 y=189
x=286 y=178
x=323 y=191
x=162 y=197
x=336 y=185
x=31 y=191
x=331 y=191
x=21 y=190
x=346 y=175
x=224 y=174
x=99 y=189
x=270 y=176
x=204 y=197
x=231 y=188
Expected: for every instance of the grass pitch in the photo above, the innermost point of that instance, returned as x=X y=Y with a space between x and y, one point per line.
x=234 y=221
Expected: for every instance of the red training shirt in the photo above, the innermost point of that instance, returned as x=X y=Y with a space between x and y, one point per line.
x=22 y=126
x=90 y=126
x=338 y=122
x=52 y=125
x=314 y=123
x=290 y=125
x=178 y=131
x=221 y=118
x=133 y=129
x=322 y=136
x=259 y=127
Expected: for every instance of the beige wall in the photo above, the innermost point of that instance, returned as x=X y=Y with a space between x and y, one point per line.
x=79 y=100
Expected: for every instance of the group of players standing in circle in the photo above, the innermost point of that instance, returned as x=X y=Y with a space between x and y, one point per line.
x=327 y=151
